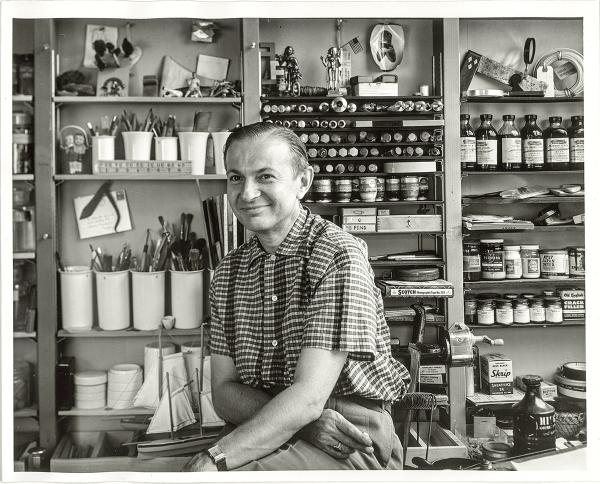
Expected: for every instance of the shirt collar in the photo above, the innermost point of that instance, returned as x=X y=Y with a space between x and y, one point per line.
x=294 y=242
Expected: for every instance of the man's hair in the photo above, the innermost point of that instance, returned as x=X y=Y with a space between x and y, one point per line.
x=297 y=149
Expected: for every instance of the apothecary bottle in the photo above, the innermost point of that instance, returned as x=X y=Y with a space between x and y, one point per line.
x=556 y=145
x=486 y=144
x=532 y=142
x=510 y=144
x=471 y=261
x=534 y=426
x=576 y=158
x=468 y=159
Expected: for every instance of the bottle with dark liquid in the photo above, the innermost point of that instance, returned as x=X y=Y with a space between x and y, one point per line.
x=532 y=143
x=468 y=158
x=556 y=145
x=576 y=159
x=486 y=144
x=510 y=144
x=534 y=427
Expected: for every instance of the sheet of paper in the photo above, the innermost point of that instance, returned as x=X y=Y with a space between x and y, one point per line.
x=212 y=67
x=102 y=221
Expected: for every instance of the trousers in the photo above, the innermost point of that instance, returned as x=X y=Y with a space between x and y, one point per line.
x=368 y=416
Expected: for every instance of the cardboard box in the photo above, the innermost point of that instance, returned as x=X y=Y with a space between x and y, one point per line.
x=548 y=391
x=375 y=89
x=573 y=301
x=356 y=211
x=359 y=228
x=359 y=219
x=496 y=374
x=409 y=223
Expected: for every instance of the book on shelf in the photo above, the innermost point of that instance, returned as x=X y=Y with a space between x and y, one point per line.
x=436 y=288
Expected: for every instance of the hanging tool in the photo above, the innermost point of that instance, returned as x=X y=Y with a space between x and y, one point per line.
x=104 y=190
x=528 y=56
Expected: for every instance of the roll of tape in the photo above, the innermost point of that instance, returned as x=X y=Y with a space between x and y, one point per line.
x=92 y=377
x=574 y=370
x=339 y=104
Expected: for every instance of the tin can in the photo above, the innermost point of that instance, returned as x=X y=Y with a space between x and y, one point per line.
x=380 y=189
x=321 y=191
x=492 y=259
x=576 y=262
x=342 y=189
x=392 y=188
x=38 y=460
x=554 y=264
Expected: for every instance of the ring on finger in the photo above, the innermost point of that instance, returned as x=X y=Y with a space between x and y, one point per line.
x=338 y=446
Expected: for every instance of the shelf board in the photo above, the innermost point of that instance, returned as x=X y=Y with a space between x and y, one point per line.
x=522 y=172
x=404 y=263
x=377 y=204
x=26 y=412
x=378 y=174
x=28 y=177
x=380 y=158
x=23 y=255
x=379 y=144
x=320 y=99
x=566 y=322
x=144 y=100
x=22 y=98
x=504 y=201
x=24 y=335
x=521 y=100
x=420 y=232
x=98 y=333
x=105 y=412
x=524 y=282
x=357 y=114
x=537 y=228
x=140 y=177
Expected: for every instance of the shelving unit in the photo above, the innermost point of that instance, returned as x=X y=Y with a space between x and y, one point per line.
x=504 y=201
x=564 y=324
x=144 y=100
x=537 y=228
x=525 y=282
x=140 y=177
x=126 y=333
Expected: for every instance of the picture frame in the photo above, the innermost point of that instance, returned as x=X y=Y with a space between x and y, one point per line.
x=267 y=61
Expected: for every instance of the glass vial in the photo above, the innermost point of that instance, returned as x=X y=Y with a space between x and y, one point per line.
x=532 y=143
x=468 y=160
x=575 y=143
x=556 y=145
x=486 y=144
x=510 y=144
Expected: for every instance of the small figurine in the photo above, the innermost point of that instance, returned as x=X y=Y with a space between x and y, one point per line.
x=193 y=87
x=333 y=63
x=113 y=86
x=292 y=76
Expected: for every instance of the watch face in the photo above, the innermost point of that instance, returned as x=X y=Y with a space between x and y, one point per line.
x=218 y=457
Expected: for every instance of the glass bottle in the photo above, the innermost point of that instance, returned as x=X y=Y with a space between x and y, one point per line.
x=486 y=144
x=532 y=143
x=534 y=427
x=576 y=158
x=471 y=261
x=556 y=145
x=510 y=144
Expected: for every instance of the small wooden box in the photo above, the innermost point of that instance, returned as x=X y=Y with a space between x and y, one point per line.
x=409 y=223
x=443 y=444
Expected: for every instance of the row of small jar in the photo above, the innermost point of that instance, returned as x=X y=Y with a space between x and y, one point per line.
x=369 y=189
x=488 y=309
x=490 y=259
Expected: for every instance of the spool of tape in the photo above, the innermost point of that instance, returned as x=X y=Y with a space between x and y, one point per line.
x=339 y=104
x=418 y=275
x=574 y=370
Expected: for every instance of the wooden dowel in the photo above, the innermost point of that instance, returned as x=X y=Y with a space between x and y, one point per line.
x=170 y=407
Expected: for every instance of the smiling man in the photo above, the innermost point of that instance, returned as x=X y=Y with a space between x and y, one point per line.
x=301 y=362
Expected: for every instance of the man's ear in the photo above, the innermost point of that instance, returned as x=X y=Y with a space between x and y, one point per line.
x=306 y=179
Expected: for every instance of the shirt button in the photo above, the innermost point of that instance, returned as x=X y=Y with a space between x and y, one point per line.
x=272 y=257
x=273 y=298
x=274 y=342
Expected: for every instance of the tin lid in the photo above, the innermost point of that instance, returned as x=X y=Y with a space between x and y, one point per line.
x=492 y=241
x=503 y=302
x=552 y=299
x=483 y=302
x=516 y=248
x=528 y=295
x=530 y=247
x=91 y=377
x=579 y=249
x=511 y=296
x=553 y=251
x=521 y=300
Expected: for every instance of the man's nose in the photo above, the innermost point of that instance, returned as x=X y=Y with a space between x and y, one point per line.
x=250 y=191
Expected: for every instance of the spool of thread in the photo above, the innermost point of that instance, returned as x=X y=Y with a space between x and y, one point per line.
x=151 y=355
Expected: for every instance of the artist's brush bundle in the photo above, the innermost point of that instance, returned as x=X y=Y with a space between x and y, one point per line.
x=101 y=262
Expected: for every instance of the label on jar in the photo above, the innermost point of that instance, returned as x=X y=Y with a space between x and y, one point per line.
x=576 y=263
x=554 y=265
x=521 y=314
x=467 y=149
x=537 y=314
x=487 y=151
x=533 y=432
x=554 y=314
x=485 y=316
x=576 y=150
x=511 y=150
x=533 y=151
x=513 y=268
x=471 y=263
x=531 y=267
x=557 y=150
x=492 y=262
x=504 y=315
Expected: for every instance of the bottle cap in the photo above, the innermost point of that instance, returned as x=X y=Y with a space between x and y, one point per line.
x=573 y=118
x=531 y=116
x=465 y=116
x=508 y=117
x=555 y=119
x=532 y=380
x=485 y=116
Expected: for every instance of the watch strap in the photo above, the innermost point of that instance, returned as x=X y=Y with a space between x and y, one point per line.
x=218 y=457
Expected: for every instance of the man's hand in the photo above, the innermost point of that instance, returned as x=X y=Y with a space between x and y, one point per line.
x=336 y=436
x=201 y=462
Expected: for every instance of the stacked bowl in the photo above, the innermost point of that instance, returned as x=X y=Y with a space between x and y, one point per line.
x=90 y=389
x=124 y=381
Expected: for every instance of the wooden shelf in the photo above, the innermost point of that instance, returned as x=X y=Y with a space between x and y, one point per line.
x=505 y=201
x=24 y=335
x=522 y=172
x=565 y=323
x=405 y=263
x=22 y=98
x=131 y=333
x=28 y=177
x=521 y=100
x=144 y=100
x=320 y=99
x=524 y=282
x=26 y=412
x=537 y=228
x=139 y=177
x=421 y=232
x=379 y=144
x=380 y=158
x=357 y=114
x=399 y=203
x=23 y=255
x=377 y=174
x=105 y=412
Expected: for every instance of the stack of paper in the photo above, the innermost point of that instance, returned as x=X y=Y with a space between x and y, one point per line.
x=495 y=223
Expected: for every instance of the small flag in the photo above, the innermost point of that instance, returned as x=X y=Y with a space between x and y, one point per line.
x=355 y=45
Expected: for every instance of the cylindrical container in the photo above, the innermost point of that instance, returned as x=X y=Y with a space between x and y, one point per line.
x=576 y=157
x=22 y=153
x=409 y=188
x=530 y=261
x=103 y=149
x=471 y=261
x=521 y=311
x=112 y=298
x=137 y=145
x=532 y=142
x=90 y=389
x=380 y=189
x=38 y=460
x=486 y=144
x=368 y=188
x=424 y=90
x=165 y=148
x=504 y=312
x=509 y=139
x=554 y=264
x=21 y=384
x=193 y=148
x=148 y=289
x=576 y=262
x=321 y=190
x=187 y=289
x=21 y=196
x=151 y=355
x=556 y=145
x=219 y=140
x=470 y=309
x=512 y=262
x=76 y=298
x=534 y=427
x=342 y=189
x=485 y=312
x=554 y=310
x=23 y=229
x=392 y=188
x=492 y=451
x=124 y=381
x=492 y=259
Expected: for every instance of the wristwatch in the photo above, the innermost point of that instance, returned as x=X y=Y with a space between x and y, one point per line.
x=218 y=457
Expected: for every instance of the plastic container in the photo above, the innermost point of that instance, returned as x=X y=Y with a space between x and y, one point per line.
x=112 y=298
x=219 y=139
x=76 y=297
x=492 y=259
x=137 y=145
x=90 y=389
x=103 y=149
x=193 y=148
x=512 y=262
x=165 y=148
x=530 y=261
x=187 y=291
x=148 y=290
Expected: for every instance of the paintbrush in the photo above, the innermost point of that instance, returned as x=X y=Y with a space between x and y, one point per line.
x=144 y=261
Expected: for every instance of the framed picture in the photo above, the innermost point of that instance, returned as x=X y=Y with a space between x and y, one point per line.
x=267 y=62
x=113 y=82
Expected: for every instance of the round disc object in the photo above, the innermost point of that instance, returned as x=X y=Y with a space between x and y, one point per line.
x=387 y=45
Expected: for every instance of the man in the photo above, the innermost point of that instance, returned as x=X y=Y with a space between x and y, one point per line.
x=300 y=351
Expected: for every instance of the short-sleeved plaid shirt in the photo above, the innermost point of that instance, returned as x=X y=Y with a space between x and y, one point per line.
x=315 y=291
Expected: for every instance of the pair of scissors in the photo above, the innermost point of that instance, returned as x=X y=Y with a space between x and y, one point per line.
x=91 y=206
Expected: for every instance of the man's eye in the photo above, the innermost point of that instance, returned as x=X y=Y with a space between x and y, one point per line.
x=266 y=176
x=234 y=178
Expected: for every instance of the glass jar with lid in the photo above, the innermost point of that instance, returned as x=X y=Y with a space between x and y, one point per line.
x=556 y=145
x=485 y=312
x=470 y=309
x=576 y=159
x=554 y=310
x=467 y=144
x=504 y=312
x=492 y=259
x=471 y=261
x=530 y=261
x=486 y=144
x=521 y=311
x=537 y=311
x=509 y=140
x=512 y=262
